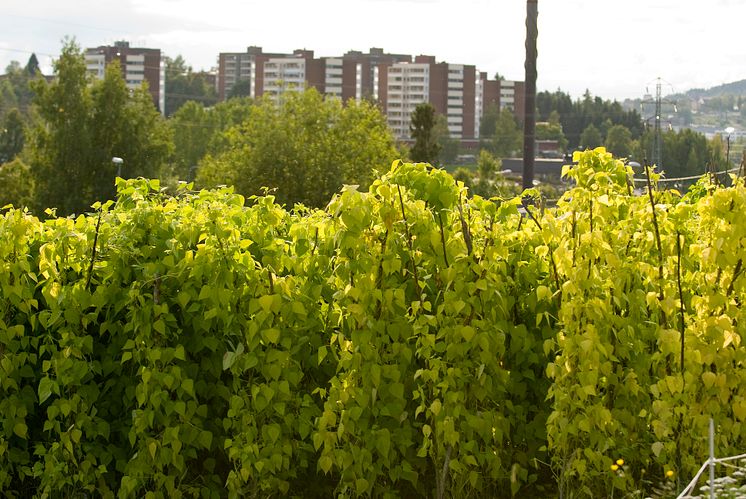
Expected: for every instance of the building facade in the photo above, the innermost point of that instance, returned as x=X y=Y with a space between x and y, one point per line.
x=398 y=82
x=138 y=65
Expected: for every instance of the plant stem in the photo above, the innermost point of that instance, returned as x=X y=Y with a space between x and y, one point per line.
x=93 y=251
x=443 y=237
x=411 y=247
x=736 y=272
x=657 y=235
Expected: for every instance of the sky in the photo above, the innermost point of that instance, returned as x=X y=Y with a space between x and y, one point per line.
x=615 y=49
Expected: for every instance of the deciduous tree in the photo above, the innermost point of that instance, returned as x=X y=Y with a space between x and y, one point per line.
x=12 y=136
x=501 y=136
x=183 y=85
x=306 y=147
x=82 y=126
x=590 y=138
x=619 y=141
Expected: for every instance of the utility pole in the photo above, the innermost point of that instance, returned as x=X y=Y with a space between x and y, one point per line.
x=529 y=115
x=657 y=153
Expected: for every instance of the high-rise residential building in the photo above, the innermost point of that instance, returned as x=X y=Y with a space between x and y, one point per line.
x=408 y=84
x=505 y=94
x=397 y=82
x=292 y=73
x=138 y=65
x=450 y=88
x=352 y=76
x=362 y=72
x=234 y=67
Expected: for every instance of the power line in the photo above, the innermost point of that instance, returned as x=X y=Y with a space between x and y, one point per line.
x=692 y=177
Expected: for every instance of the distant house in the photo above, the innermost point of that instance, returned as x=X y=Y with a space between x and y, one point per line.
x=549 y=148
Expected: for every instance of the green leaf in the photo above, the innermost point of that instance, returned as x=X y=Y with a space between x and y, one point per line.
x=397 y=390
x=468 y=332
x=266 y=302
x=383 y=442
x=271 y=335
x=321 y=355
x=361 y=486
x=205 y=439
x=325 y=463
x=46 y=386
x=20 y=429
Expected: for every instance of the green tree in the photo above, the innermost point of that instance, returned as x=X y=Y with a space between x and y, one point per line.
x=16 y=184
x=464 y=175
x=449 y=146
x=506 y=138
x=487 y=168
x=548 y=130
x=82 y=126
x=488 y=122
x=306 y=147
x=619 y=141
x=685 y=152
x=198 y=131
x=575 y=116
x=426 y=147
x=12 y=136
x=590 y=138
x=240 y=89
x=15 y=89
x=183 y=85
x=32 y=66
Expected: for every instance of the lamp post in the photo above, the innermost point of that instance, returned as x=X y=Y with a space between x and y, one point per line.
x=118 y=161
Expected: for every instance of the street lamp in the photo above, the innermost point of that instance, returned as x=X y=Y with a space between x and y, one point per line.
x=729 y=131
x=118 y=161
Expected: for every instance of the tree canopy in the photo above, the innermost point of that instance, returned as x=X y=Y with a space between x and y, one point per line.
x=183 y=85
x=198 y=131
x=82 y=126
x=449 y=146
x=426 y=147
x=12 y=136
x=15 y=89
x=306 y=147
x=619 y=141
x=498 y=132
x=575 y=116
x=590 y=138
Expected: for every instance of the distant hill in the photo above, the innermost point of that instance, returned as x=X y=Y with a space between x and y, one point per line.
x=733 y=88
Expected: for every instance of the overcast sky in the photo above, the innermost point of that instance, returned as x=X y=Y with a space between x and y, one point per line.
x=613 y=48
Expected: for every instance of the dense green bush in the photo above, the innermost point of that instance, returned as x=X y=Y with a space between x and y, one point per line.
x=405 y=341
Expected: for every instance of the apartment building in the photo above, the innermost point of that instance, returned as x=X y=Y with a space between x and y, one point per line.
x=355 y=75
x=397 y=82
x=450 y=88
x=138 y=65
x=363 y=76
x=292 y=73
x=506 y=94
x=408 y=84
x=234 y=67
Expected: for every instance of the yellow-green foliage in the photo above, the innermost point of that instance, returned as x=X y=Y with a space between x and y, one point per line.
x=405 y=341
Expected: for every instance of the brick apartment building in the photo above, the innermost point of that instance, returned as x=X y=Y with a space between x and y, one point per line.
x=352 y=76
x=450 y=88
x=397 y=82
x=138 y=65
